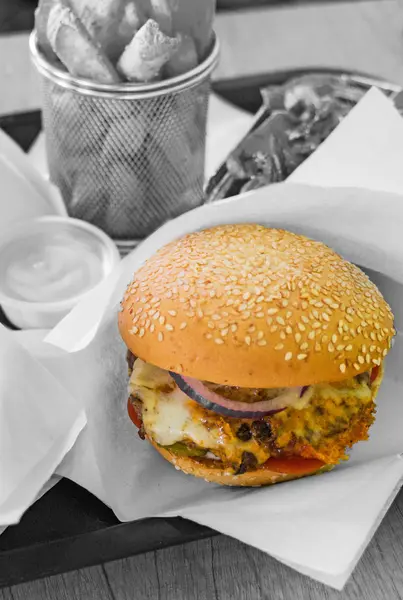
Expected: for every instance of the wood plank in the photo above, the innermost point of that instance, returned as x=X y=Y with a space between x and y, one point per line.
x=180 y=573
x=225 y=569
x=257 y=41
x=86 y=584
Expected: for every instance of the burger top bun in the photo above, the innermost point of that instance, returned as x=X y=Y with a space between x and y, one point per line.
x=250 y=306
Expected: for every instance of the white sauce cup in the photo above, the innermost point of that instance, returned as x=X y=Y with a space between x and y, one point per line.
x=47 y=265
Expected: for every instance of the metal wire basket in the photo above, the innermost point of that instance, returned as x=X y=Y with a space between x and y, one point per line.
x=126 y=157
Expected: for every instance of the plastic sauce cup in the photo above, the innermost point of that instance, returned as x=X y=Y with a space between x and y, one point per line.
x=47 y=265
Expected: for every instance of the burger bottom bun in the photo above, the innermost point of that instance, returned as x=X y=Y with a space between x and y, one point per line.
x=214 y=474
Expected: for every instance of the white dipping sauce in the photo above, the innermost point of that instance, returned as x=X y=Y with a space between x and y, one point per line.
x=51 y=264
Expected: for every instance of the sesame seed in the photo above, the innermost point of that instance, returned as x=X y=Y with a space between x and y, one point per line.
x=325 y=316
x=318 y=347
x=304 y=346
x=304 y=319
x=361 y=359
x=209 y=336
x=282 y=335
x=216 y=317
x=261 y=342
x=260 y=315
x=218 y=341
x=342 y=367
x=169 y=327
x=301 y=327
x=288 y=356
x=298 y=337
x=161 y=320
x=280 y=320
x=134 y=330
x=301 y=356
x=160 y=336
x=234 y=327
x=316 y=325
x=368 y=358
x=349 y=347
x=272 y=311
x=311 y=335
x=152 y=327
x=334 y=338
x=247 y=340
x=183 y=325
x=279 y=347
x=200 y=313
x=260 y=335
x=284 y=303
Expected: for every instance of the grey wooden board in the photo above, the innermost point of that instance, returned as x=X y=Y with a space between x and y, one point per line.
x=224 y=569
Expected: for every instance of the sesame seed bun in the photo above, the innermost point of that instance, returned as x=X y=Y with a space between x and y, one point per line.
x=209 y=471
x=250 y=306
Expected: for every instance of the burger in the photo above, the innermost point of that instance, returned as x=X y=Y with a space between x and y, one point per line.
x=255 y=354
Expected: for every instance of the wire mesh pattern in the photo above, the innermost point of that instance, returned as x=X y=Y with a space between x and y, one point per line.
x=126 y=165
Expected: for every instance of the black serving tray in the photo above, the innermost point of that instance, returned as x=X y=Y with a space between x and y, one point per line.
x=68 y=528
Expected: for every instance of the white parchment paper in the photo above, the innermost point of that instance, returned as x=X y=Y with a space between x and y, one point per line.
x=337 y=512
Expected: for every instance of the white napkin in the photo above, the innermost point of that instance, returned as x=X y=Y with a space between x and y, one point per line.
x=39 y=423
x=24 y=191
x=320 y=526
x=226 y=126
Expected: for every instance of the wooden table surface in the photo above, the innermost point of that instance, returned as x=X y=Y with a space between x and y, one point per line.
x=364 y=36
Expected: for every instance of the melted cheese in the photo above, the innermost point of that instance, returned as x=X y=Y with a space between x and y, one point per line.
x=169 y=416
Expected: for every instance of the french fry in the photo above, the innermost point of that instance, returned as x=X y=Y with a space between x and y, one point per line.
x=41 y=23
x=131 y=21
x=161 y=13
x=75 y=47
x=124 y=138
x=184 y=59
x=146 y=54
x=195 y=18
x=124 y=216
x=111 y=23
x=87 y=198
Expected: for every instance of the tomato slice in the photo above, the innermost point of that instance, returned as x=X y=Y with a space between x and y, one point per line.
x=294 y=466
x=133 y=415
x=374 y=374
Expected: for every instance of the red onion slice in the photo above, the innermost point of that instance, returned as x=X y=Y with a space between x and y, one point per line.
x=197 y=391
